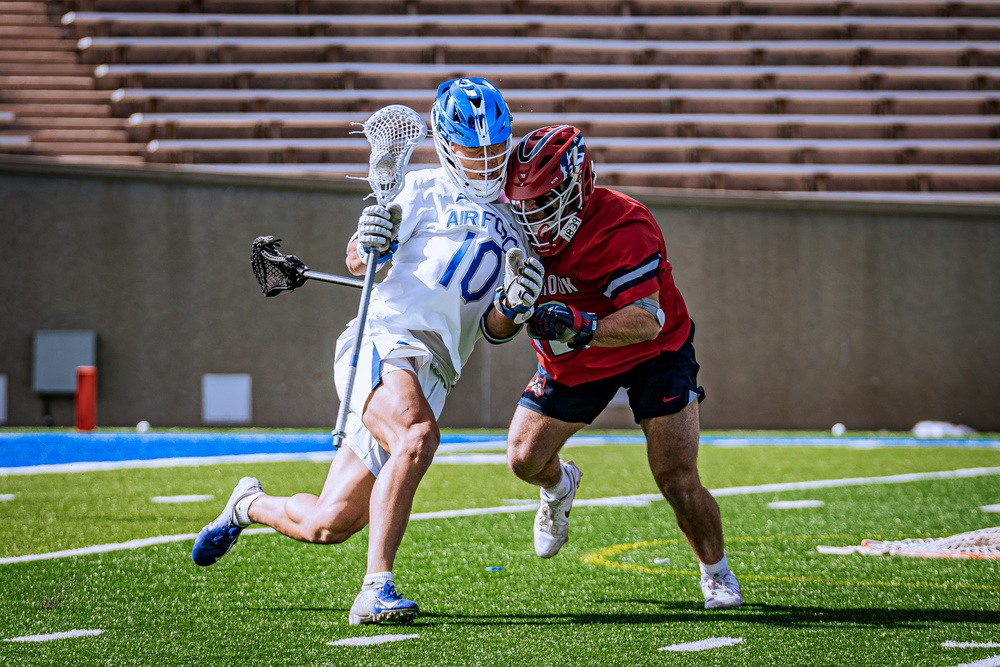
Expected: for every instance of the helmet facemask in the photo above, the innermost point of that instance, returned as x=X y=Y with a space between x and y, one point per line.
x=478 y=171
x=551 y=179
x=551 y=220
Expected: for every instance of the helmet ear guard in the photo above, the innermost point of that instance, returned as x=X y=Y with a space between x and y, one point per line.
x=550 y=181
x=472 y=113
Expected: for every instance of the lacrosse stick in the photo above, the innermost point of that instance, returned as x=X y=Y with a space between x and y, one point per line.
x=393 y=132
x=278 y=273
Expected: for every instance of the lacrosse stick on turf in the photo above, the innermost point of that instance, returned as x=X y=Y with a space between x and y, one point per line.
x=393 y=132
x=278 y=273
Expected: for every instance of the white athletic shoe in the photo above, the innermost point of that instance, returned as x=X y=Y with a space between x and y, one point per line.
x=721 y=590
x=218 y=537
x=382 y=605
x=552 y=519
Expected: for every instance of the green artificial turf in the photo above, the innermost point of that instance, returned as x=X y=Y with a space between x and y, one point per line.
x=623 y=587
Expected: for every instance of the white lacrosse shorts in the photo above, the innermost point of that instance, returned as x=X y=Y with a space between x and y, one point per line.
x=381 y=352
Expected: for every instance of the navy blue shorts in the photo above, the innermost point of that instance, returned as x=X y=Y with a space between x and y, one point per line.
x=663 y=385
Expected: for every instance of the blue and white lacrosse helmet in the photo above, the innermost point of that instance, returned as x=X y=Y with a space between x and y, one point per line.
x=472 y=136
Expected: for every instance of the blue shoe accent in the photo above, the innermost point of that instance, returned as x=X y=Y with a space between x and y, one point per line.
x=218 y=537
x=383 y=606
x=213 y=542
x=389 y=600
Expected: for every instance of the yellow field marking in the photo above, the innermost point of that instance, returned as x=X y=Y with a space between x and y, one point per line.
x=603 y=558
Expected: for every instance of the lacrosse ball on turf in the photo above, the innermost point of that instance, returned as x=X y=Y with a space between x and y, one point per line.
x=142 y=426
x=838 y=429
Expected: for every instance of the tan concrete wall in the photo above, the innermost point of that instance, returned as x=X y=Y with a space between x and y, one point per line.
x=808 y=313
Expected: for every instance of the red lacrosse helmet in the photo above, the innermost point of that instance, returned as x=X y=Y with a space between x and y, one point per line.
x=550 y=178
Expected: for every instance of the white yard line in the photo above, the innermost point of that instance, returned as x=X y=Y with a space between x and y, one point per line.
x=970 y=644
x=72 y=634
x=181 y=499
x=704 y=644
x=990 y=508
x=116 y=546
x=532 y=506
x=794 y=504
x=992 y=661
x=6 y=496
x=858 y=481
x=371 y=641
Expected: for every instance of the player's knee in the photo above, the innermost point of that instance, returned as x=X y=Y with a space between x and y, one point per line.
x=418 y=444
x=325 y=531
x=331 y=534
x=521 y=461
x=677 y=484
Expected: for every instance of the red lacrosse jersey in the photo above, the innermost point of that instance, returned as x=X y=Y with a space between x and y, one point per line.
x=617 y=257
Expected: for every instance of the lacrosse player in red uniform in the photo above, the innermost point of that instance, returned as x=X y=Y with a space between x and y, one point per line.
x=610 y=316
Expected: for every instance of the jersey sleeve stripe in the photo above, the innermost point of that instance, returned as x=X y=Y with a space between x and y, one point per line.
x=624 y=280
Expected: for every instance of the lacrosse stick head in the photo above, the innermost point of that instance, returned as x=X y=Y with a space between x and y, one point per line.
x=393 y=132
x=276 y=273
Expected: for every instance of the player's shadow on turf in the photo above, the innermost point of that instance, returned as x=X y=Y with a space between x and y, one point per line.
x=762 y=614
x=801 y=616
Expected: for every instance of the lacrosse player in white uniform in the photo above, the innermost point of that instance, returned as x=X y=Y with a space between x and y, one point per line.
x=458 y=272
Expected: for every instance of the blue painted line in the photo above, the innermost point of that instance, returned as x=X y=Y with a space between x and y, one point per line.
x=33 y=449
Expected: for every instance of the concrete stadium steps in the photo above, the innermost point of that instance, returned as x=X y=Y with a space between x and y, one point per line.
x=56 y=96
x=87 y=159
x=51 y=96
x=22 y=7
x=855 y=178
x=362 y=76
x=22 y=31
x=8 y=20
x=40 y=57
x=854 y=95
x=40 y=44
x=275 y=125
x=673 y=28
x=21 y=82
x=47 y=69
x=487 y=50
x=613 y=151
x=132 y=100
x=586 y=7
x=56 y=111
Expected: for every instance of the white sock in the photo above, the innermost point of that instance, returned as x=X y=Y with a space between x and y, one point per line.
x=709 y=570
x=377 y=580
x=561 y=488
x=242 y=510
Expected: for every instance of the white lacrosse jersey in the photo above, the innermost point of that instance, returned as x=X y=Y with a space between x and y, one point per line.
x=443 y=275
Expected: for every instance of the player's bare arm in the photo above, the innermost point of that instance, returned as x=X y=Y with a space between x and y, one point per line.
x=637 y=322
x=628 y=326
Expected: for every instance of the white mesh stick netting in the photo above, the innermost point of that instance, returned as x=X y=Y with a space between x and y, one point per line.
x=983 y=544
x=393 y=132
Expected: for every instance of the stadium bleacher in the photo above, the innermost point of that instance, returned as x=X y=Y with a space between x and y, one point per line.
x=798 y=95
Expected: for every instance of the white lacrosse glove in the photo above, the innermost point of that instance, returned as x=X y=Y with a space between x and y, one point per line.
x=377 y=229
x=522 y=284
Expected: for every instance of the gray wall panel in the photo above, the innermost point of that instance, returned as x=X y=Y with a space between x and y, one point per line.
x=872 y=314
